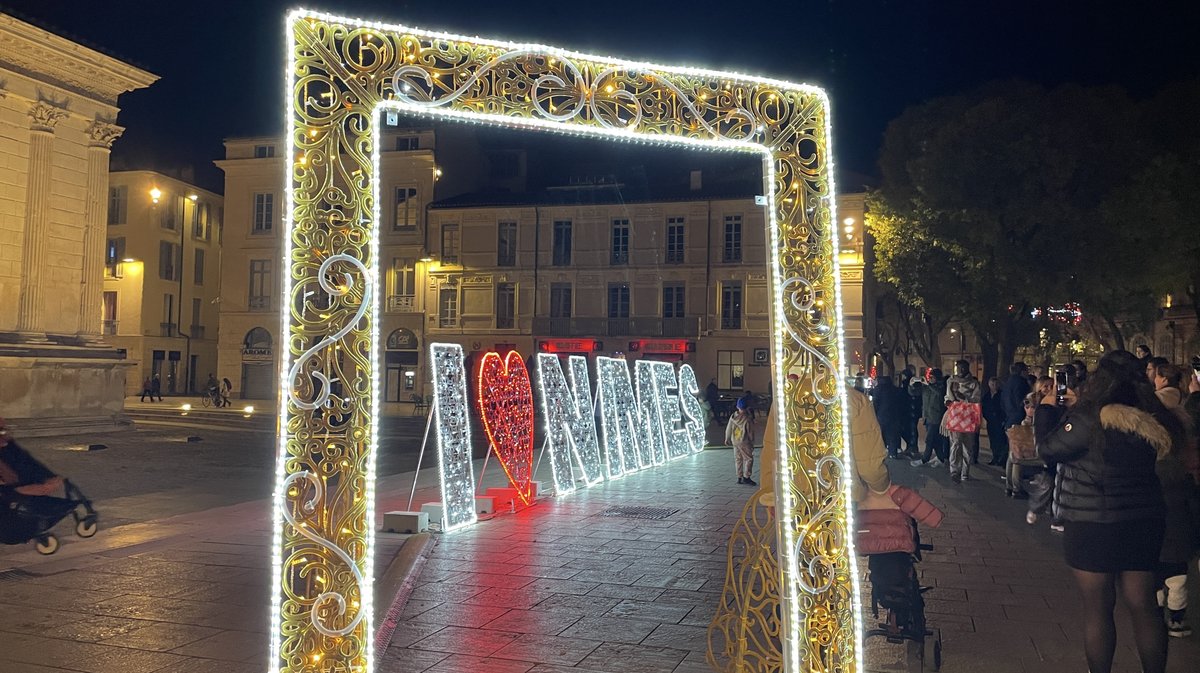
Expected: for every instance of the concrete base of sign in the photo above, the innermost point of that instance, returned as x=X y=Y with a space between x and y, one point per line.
x=407 y=522
x=485 y=504
x=506 y=499
x=433 y=510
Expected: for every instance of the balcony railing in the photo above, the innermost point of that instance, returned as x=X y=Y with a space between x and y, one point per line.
x=166 y=329
x=401 y=303
x=645 y=327
x=619 y=257
x=260 y=303
x=197 y=331
x=620 y=327
x=108 y=327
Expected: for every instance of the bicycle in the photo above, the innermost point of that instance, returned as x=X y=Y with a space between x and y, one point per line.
x=211 y=398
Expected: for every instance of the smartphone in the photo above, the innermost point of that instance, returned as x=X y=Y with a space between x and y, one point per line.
x=1063 y=379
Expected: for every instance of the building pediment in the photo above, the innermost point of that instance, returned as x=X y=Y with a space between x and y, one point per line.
x=52 y=59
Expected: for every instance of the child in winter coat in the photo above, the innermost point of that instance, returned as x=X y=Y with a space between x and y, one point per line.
x=739 y=433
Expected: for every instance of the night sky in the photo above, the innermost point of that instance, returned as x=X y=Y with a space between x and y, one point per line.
x=221 y=61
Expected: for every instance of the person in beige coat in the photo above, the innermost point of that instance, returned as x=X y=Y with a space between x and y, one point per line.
x=870 y=489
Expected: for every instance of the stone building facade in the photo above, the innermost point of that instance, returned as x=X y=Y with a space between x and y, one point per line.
x=58 y=106
x=252 y=261
x=580 y=269
x=162 y=278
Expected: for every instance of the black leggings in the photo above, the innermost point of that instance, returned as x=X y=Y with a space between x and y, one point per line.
x=1137 y=589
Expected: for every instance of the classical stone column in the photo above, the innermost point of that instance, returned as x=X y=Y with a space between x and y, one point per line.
x=102 y=135
x=43 y=117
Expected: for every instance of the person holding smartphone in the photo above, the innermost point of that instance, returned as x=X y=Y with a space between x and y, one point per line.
x=1107 y=439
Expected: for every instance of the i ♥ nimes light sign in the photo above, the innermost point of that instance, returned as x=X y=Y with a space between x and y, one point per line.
x=647 y=419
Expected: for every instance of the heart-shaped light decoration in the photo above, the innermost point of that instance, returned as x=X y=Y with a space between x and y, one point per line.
x=506 y=407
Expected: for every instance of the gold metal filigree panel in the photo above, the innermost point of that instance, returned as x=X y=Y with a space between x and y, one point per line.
x=341 y=74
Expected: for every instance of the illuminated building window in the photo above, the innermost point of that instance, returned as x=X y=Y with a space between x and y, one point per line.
x=560 y=300
x=618 y=300
x=201 y=228
x=168 y=261
x=198 y=267
x=404 y=278
x=450 y=244
x=260 y=285
x=114 y=252
x=562 y=243
x=170 y=211
x=506 y=305
x=108 y=315
x=264 y=213
x=731 y=368
x=168 y=316
x=675 y=239
x=448 y=307
x=407 y=209
x=264 y=151
x=620 y=242
x=118 y=204
x=506 y=244
x=673 y=300
x=733 y=239
x=731 y=305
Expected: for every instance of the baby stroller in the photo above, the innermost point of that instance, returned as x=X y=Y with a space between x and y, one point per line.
x=892 y=544
x=29 y=508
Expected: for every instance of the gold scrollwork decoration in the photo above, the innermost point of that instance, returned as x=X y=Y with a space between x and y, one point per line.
x=790 y=583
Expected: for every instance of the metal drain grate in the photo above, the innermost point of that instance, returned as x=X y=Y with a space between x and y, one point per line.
x=653 y=513
x=15 y=575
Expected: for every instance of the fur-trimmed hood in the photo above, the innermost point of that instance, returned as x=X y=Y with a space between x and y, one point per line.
x=1134 y=421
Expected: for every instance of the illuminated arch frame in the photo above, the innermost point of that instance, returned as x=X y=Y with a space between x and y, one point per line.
x=340 y=74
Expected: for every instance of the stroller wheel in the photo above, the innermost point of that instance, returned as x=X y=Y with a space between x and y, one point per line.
x=47 y=544
x=914 y=655
x=86 y=527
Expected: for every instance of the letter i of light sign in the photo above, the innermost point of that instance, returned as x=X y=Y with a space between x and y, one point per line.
x=340 y=76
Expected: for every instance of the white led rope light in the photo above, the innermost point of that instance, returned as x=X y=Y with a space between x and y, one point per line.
x=453 y=428
x=623 y=420
x=570 y=422
x=693 y=411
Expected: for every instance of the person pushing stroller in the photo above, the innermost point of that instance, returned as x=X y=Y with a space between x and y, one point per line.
x=28 y=510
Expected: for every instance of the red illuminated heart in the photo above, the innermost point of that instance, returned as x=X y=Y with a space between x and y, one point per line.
x=506 y=407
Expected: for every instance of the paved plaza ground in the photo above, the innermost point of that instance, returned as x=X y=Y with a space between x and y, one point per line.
x=557 y=588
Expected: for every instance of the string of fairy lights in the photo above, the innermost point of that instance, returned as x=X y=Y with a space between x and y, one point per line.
x=340 y=73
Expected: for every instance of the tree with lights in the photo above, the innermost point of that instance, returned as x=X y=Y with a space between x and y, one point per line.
x=1008 y=198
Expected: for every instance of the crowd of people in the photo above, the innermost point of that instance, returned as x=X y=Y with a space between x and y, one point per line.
x=1111 y=456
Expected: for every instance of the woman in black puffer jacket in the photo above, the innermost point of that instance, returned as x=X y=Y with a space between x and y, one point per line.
x=1109 y=497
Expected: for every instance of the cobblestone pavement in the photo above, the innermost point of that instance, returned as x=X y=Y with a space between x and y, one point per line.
x=554 y=589
x=561 y=588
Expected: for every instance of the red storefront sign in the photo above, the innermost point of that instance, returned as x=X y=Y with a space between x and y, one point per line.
x=570 y=345
x=662 y=346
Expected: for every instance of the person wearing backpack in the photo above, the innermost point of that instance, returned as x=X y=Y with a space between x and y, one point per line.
x=739 y=433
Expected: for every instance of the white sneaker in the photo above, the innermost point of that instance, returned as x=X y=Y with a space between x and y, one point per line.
x=1030 y=518
x=935 y=463
x=917 y=463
